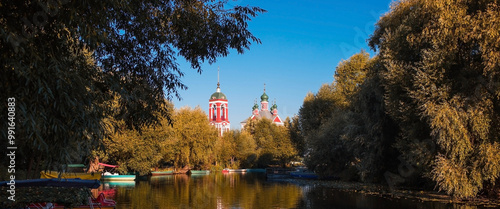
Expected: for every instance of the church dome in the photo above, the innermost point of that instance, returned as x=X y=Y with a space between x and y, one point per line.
x=218 y=95
x=264 y=97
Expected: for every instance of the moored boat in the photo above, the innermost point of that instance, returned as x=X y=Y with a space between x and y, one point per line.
x=304 y=175
x=83 y=176
x=159 y=173
x=118 y=177
x=56 y=185
x=278 y=173
x=55 y=182
x=244 y=170
x=199 y=172
x=108 y=176
x=256 y=170
x=237 y=170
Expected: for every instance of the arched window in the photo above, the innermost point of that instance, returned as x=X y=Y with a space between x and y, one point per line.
x=214 y=115
x=222 y=112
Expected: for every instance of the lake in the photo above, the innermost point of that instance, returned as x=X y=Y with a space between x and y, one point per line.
x=247 y=190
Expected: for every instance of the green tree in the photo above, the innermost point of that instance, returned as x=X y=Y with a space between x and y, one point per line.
x=370 y=132
x=316 y=109
x=441 y=78
x=64 y=61
x=349 y=74
x=225 y=149
x=330 y=123
x=139 y=151
x=273 y=143
x=296 y=136
x=246 y=148
x=195 y=139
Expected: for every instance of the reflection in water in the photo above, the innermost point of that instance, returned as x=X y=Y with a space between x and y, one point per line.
x=208 y=191
x=249 y=190
x=321 y=197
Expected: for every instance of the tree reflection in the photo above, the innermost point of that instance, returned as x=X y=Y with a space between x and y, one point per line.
x=209 y=191
x=250 y=190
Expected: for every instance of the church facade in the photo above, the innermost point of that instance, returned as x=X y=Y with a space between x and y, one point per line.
x=264 y=112
x=218 y=110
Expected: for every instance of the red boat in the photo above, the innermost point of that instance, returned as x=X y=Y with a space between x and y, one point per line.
x=99 y=202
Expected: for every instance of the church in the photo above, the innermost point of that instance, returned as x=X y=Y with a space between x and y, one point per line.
x=218 y=110
x=264 y=112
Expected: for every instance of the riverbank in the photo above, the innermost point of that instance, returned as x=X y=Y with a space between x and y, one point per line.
x=398 y=193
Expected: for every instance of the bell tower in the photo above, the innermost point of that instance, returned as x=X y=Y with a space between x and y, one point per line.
x=218 y=110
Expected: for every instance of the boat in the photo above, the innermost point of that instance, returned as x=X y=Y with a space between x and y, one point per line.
x=116 y=177
x=99 y=202
x=256 y=170
x=237 y=170
x=55 y=182
x=119 y=183
x=83 y=176
x=160 y=173
x=245 y=170
x=199 y=172
x=278 y=173
x=108 y=176
x=304 y=175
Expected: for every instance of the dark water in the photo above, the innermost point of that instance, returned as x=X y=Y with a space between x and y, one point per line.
x=250 y=190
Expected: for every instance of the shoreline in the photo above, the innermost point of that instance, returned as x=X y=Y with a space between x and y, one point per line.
x=385 y=192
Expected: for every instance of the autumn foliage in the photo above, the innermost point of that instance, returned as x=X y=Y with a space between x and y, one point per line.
x=429 y=101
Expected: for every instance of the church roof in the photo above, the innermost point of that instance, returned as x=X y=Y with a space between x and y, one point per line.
x=265 y=114
x=218 y=95
x=264 y=97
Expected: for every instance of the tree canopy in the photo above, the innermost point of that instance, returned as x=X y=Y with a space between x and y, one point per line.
x=425 y=111
x=65 y=61
x=442 y=82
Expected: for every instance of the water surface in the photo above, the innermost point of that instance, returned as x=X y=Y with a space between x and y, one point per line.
x=250 y=190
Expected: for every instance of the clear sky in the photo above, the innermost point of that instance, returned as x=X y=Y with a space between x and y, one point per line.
x=302 y=43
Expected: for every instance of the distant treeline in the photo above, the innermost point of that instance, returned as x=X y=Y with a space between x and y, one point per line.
x=424 y=111
x=187 y=140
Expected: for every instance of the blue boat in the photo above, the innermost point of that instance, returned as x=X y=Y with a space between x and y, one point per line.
x=118 y=177
x=304 y=175
x=93 y=184
x=278 y=173
x=199 y=172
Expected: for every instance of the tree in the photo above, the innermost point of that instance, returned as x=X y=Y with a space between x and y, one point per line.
x=225 y=149
x=195 y=139
x=349 y=74
x=295 y=133
x=272 y=143
x=330 y=123
x=316 y=109
x=370 y=132
x=65 y=61
x=441 y=80
x=246 y=148
x=139 y=151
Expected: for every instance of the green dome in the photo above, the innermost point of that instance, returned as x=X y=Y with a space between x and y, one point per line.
x=218 y=95
x=264 y=97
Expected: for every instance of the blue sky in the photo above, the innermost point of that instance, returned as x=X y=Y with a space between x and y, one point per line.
x=302 y=43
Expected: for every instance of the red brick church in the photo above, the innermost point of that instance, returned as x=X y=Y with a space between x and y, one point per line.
x=218 y=110
x=264 y=111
